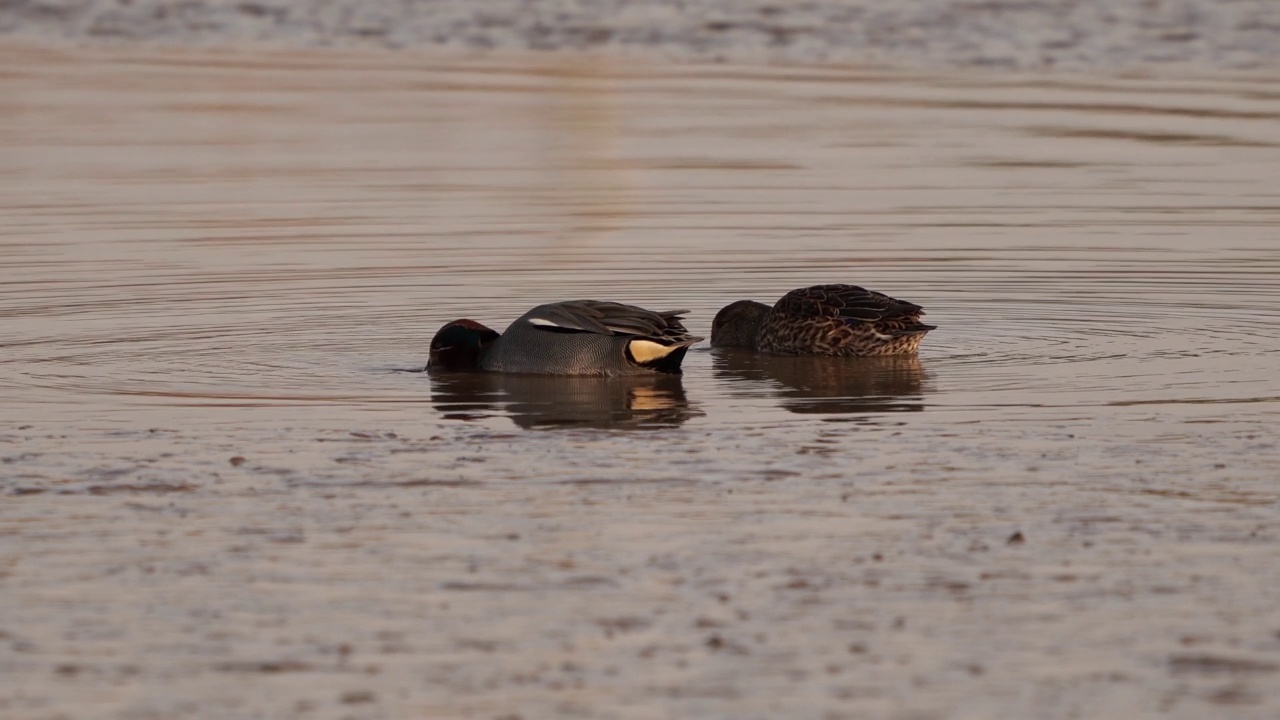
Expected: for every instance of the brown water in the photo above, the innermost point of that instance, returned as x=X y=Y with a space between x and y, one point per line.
x=225 y=497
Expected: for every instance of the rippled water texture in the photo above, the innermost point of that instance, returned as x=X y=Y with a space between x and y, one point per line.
x=228 y=493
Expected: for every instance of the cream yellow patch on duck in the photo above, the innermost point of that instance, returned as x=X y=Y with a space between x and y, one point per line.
x=647 y=351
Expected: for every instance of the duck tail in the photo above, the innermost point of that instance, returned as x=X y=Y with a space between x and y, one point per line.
x=659 y=357
x=903 y=327
x=917 y=329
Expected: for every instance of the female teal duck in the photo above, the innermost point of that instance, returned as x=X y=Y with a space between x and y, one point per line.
x=578 y=337
x=841 y=320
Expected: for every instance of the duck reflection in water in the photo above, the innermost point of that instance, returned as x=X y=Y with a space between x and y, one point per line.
x=537 y=401
x=830 y=385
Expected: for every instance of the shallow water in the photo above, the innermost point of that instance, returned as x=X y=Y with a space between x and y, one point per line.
x=230 y=494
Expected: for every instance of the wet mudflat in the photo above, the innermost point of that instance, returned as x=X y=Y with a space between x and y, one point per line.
x=226 y=494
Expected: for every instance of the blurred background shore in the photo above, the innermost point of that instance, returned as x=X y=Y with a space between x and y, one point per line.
x=1009 y=34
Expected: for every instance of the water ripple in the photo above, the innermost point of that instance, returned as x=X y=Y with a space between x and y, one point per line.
x=231 y=269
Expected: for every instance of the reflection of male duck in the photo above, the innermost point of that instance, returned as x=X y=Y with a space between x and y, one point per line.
x=534 y=401
x=809 y=384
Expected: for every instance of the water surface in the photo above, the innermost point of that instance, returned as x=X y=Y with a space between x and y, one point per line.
x=230 y=494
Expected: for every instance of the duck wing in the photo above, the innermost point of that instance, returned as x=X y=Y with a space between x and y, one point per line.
x=611 y=318
x=851 y=304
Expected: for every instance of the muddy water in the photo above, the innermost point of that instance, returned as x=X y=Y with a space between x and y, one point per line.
x=227 y=495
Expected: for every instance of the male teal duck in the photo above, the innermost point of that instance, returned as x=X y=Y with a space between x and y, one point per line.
x=578 y=337
x=839 y=320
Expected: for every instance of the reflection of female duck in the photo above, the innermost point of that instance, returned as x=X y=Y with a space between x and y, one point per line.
x=809 y=384
x=548 y=401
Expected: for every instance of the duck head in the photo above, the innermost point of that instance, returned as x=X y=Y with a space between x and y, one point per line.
x=738 y=324
x=459 y=345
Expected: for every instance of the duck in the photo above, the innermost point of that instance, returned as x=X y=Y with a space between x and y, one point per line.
x=575 y=337
x=832 y=320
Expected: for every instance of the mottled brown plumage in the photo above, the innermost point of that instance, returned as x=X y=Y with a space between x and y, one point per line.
x=835 y=320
